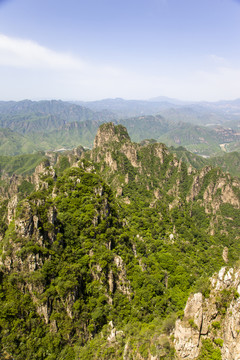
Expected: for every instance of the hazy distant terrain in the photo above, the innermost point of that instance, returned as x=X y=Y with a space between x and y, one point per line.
x=201 y=113
x=203 y=128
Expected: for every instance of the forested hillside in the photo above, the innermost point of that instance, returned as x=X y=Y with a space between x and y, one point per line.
x=101 y=248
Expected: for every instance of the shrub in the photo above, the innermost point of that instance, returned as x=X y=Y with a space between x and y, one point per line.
x=219 y=342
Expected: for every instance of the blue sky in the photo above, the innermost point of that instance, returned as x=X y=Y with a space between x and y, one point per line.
x=135 y=49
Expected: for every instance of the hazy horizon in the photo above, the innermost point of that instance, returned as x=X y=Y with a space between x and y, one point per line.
x=167 y=99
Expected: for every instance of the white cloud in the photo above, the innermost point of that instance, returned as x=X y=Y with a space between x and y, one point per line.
x=28 y=54
x=30 y=70
x=218 y=60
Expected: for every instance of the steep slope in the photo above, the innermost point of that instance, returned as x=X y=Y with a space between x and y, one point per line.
x=228 y=162
x=20 y=164
x=149 y=166
x=147 y=127
x=209 y=328
x=61 y=264
x=196 y=161
x=184 y=222
x=197 y=139
x=12 y=143
x=202 y=140
x=67 y=136
x=99 y=260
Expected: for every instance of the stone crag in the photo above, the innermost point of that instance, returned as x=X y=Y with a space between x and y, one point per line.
x=216 y=317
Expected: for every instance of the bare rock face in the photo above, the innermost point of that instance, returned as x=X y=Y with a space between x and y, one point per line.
x=187 y=331
x=225 y=254
x=130 y=151
x=110 y=161
x=110 y=133
x=43 y=169
x=160 y=151
x=216 y=318
x=217 y=191
x=109 y=138
x=78 y=151
x=122 y=283
x=114 y=333
x=12 y=204
x=197 y=183
x=12 y=194
x=227 y=194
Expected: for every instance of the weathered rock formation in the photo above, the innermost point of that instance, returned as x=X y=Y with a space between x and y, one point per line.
x=216 y=317
x=108 y=133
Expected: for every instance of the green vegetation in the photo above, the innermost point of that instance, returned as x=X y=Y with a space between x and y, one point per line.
x=20 y=164
x=229 y=162
x=27 y=116
x=209 y=351
x=192 y=324
x=29 y=126
x=67 y=136
x=197 y=139
x=12 y=143
x=197 y=162
x=219 y=342
x=80 y=264
x=224 y=299
x=216 y=325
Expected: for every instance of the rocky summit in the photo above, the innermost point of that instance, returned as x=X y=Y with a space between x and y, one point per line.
x=124 y=251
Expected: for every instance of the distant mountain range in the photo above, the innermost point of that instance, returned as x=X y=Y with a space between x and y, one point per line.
x=204 y=128
x=31 y=116
x=201 y=113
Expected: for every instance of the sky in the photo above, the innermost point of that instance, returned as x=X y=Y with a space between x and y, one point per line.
x=134 y=49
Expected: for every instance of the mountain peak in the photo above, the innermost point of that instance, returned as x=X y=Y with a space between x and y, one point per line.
x=109 y=132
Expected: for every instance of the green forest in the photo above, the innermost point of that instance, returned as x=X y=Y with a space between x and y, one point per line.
x=101 y=249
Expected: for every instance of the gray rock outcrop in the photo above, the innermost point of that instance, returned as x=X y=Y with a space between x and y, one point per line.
x=216 y=318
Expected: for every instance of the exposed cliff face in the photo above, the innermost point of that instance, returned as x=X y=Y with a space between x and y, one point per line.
x=18 y=187
x=216 y=317
x=26 y=225
x=123 y=161
x=111 y=139
x=10 y=192
x=108 y=133
x=130 y=150
x=218 y=189
x=43 y=170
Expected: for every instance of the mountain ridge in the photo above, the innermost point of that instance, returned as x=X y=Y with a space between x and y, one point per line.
x=50 y=124
x=102 y=247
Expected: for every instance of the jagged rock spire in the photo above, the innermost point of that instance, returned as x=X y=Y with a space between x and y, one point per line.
x=109 y=132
